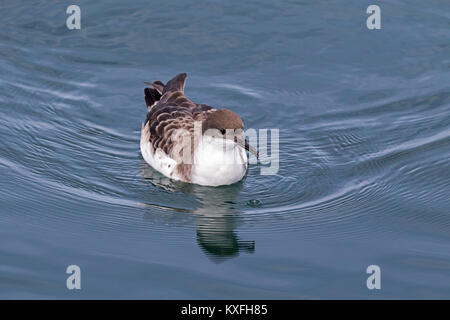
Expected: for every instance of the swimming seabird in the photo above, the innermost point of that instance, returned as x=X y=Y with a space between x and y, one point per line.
x=192 y=142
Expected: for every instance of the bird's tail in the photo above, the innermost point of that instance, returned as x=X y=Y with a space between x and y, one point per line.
x=159 y=89
x=153 y=95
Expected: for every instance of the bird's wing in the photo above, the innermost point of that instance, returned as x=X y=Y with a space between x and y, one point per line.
x=172 y=111
x=162 y=122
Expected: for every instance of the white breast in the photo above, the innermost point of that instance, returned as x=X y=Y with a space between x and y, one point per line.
x=216 y=164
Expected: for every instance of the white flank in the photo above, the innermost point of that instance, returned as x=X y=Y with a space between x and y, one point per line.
x=158 y=160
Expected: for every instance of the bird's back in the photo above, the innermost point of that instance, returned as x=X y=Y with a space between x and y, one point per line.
x=169 y=109
x=170 y=112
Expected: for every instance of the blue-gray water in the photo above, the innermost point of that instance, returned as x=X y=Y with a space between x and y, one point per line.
x=364 y=177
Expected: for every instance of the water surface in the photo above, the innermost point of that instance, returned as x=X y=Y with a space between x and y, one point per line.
x=364 y=171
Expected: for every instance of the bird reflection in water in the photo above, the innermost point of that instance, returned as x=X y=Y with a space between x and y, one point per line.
x=216 y=215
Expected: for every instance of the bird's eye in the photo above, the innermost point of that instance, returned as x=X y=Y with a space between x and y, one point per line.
x=222 y=131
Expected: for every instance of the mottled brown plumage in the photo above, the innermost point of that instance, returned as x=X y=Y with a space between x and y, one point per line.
x=173 y=111
x=171 y=115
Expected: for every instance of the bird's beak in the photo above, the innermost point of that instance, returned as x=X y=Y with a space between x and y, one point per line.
x=244 y=144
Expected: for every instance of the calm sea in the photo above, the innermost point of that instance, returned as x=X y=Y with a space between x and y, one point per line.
x=364 y=150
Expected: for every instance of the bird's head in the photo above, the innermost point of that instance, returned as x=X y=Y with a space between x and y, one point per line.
x=226 y=124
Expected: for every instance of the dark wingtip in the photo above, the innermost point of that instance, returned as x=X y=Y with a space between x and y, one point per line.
x=158 y=85
x=180 y=79
x=176 y=83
